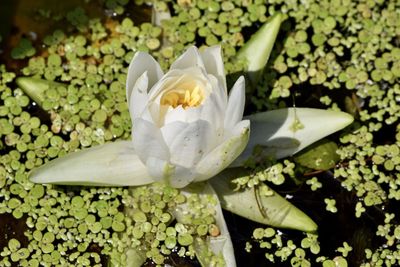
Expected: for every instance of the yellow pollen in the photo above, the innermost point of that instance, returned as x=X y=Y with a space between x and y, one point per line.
x=184 y=97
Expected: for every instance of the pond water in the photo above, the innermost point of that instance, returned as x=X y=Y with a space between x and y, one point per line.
x=34 y=20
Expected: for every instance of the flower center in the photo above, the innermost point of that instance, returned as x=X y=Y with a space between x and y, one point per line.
x=184 y=97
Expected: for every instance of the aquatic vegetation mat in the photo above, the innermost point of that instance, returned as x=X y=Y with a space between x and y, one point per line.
x=338 y=55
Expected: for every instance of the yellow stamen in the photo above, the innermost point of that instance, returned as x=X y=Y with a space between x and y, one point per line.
x=187 y=97
x=184 y=97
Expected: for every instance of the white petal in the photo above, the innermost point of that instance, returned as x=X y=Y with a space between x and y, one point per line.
x=175 y=114
x=140 y=63
x=220 y=90
x=193 y=113
x=188 y=115
x=139 y=97
x=170 y=131
x=214 y=106
x=234 y=111
x=191 y=58
x=279 y=133
x=214 y=63
x=213 y=112
x=223 y=155
x=192 y=144
x=112 y=164
x=173 y=175
x=148 y=141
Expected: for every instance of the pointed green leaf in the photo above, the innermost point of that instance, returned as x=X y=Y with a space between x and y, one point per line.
x=320 y=156
x=256 y=51
x=160 y=13
x=35 y=88
x=112 y=164
x=271 y=210
x=135 y=257
x=219 y=245
x=284 y=132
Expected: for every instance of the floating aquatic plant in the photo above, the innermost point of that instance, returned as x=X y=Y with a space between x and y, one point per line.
x=319 y=76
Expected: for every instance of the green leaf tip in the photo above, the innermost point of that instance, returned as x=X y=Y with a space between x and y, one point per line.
x=257 y=50
x=135 y=257
x=219 y=247
x=35 y=88
x=273 y=210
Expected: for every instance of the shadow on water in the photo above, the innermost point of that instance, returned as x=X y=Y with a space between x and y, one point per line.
x=36 y=19
x=33 y=20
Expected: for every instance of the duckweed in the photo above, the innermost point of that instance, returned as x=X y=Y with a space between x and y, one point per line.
x=335 y=54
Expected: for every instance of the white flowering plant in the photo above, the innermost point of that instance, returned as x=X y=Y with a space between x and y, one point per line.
x=188 y=133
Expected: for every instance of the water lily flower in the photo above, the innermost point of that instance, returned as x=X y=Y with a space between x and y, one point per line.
x=185 y=128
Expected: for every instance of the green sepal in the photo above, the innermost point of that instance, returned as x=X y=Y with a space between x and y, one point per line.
x=257 y=50
x=272 y=210
x=36 y=88
x=284 y=132
x=111 y=164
